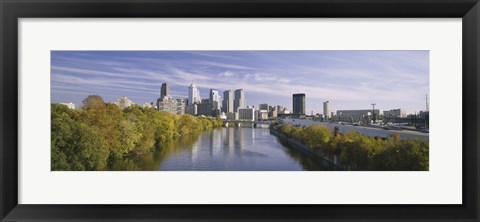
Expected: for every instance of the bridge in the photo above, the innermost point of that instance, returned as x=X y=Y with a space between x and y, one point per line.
x=246 y=123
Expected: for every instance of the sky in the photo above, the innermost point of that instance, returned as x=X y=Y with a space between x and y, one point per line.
x=348 y=79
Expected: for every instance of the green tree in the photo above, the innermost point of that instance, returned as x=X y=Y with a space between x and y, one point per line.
x=75 y=146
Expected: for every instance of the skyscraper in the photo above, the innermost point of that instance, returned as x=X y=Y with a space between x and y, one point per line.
x=263 y=106
x=227 y=105
x=215 y=102
x=326 y=109
x=165 y=90
x=239 y=101
x=193 y=94
x=299 y=104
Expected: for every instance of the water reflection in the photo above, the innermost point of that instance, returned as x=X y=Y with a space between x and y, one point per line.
x=236 y=149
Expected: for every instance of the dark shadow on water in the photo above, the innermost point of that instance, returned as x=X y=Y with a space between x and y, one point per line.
x=151 y=161
x=308 y=162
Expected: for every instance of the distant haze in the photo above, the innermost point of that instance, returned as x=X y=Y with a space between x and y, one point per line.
x=348 y=79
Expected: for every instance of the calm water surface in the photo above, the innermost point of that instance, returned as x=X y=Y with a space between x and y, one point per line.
x=232 y=149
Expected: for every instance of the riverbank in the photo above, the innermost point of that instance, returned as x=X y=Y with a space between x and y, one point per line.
x=99 y=133
x=330 y=162
x=360 y=152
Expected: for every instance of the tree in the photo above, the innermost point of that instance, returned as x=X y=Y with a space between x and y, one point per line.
x=93 y=101
x=75 y=146
x=317 y=137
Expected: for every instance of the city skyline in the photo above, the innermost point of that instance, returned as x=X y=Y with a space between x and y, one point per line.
x=348 y=79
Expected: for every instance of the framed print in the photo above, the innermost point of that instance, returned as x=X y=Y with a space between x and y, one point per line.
x=278 y=110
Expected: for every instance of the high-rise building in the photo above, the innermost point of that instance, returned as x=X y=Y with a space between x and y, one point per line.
x=165 y=90
x=215 y=102
x=193 y=94
x=263 y=106
x=180 y=106
x=167 y=104
x=192 y=109
x=204 y=108
x=326 y=109
x=239 y=101
x=299 y=104
x=171 y=105
x=227 y=105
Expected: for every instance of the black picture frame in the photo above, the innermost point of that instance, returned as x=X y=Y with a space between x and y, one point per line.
x=12 y=10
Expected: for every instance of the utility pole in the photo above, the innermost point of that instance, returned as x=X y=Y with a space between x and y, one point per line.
x=373 y=112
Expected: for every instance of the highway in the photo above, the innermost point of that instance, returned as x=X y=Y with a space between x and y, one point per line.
x=367 y=131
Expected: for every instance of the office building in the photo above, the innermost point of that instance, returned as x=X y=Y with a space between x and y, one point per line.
x=227 y=105
x=167 y=104
x=215 y=102
x=171 y=105
x=263 y=106
x=193 y=94
x=273 y=112
x=191 y=109
x=262 y=114
x=326 y=110
x=164 y=90
x=180 y=106
x=395 y=113
x=123 y=102
x=299 y=104
x=239 y=100
x=356 y=115
x=246 y=114
x=204 y=108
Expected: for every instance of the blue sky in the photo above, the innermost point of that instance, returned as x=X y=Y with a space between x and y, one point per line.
x=348 y=79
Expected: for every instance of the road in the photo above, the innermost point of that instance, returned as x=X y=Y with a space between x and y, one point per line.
x=367 y=131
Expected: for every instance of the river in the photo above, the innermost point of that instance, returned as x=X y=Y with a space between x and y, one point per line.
x=223 y=149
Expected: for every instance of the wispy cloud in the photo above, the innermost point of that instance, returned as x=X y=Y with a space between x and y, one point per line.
x=392 y=79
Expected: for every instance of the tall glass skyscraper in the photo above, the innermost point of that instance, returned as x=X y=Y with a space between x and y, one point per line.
x=299 y=104
x=239 y=101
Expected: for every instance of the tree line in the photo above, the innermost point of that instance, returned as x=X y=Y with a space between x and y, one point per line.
x=94 y=136
x=361 y=152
